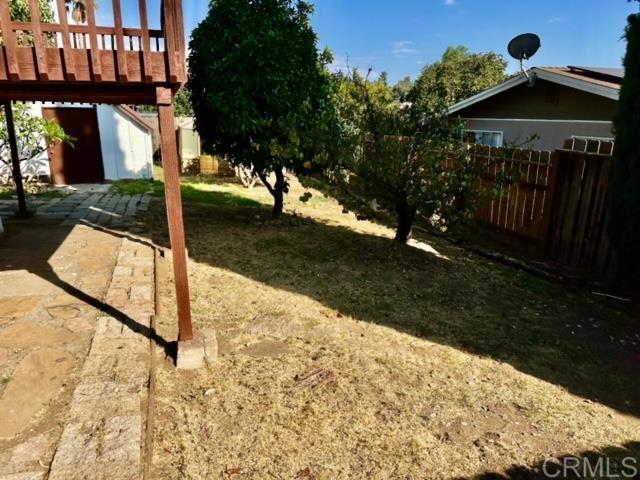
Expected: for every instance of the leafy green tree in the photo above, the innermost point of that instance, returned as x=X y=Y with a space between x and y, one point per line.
x=624 y=226
x=259 y=86
x=20 y=11
x=398 y=160
x=402 y=89
x=182 y=103
x=458 y=75
x=34 y=136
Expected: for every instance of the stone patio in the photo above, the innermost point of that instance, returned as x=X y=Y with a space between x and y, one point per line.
x=102 y=208
x=75 y=308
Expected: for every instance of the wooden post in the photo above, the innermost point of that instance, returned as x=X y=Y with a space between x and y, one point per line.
x=15 y=159
x=164 y=99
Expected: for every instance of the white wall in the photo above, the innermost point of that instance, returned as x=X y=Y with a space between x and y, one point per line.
x=126 y=146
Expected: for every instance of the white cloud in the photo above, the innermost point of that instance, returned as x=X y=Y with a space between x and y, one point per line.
x=555 y=20
x=402 y=48
x=449 y=2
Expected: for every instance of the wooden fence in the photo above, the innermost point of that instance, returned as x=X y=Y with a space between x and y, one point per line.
x=552 y=203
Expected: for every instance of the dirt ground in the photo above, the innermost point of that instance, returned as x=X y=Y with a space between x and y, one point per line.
x=345 y=355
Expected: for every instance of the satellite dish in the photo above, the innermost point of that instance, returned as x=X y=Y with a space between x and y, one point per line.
x=523 y=47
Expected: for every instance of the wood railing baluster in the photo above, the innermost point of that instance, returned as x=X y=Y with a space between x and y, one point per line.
x=38 y=44
x=121 y=55
x=10 y=44
x=170 y=43
x=96 y=61
x=145 y=45
x=66 y=43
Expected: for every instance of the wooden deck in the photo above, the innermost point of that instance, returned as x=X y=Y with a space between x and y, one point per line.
x=115 y=64
x=106 y=64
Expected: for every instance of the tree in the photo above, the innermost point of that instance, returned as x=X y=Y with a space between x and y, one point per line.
x=398 y=160
x=402 y=89
x=259 y=86
x=624 y=225
x=20 y=11
x=34 y=136
x=458 y=75
x=182 y=103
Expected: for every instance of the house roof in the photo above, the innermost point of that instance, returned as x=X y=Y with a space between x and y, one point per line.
x=604 y=82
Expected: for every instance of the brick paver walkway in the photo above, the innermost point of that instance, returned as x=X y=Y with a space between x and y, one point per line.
x=75 y=312
x=102 y=439
x=106 y=209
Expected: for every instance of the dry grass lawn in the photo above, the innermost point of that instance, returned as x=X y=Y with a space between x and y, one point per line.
x=344 y=355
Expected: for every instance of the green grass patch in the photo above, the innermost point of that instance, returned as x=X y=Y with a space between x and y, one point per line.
x=7 y=193
x=136 y=187
x=192 y=192
x=4 y=380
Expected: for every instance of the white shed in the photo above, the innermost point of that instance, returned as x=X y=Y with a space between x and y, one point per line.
x=112 y=142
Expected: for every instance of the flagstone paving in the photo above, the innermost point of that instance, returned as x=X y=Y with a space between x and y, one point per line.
x=100 y=208
x=75 y=308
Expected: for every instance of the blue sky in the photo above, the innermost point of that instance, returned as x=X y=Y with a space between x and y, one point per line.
x=401 y=36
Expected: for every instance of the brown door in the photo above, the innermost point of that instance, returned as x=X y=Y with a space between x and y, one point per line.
x=82 y=162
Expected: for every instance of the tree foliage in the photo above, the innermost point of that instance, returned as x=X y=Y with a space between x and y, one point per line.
x=398 y=159
x=260 y=88
x=182 y=103
x=402 y=89
x=20 y=11
x=34 y=135
x=625 y=186
x=458 y=75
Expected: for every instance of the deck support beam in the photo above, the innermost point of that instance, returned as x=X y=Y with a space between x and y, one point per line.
x=164 y=100
x=15 y=159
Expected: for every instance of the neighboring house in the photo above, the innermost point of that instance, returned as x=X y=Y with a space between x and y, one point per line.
x=112 y=142
x=562 y=103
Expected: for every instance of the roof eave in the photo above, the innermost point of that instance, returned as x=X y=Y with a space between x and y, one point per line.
x=601 y=90
x=512 y=82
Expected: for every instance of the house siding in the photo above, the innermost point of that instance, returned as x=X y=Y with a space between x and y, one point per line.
x=552 y=134
x=551 y=111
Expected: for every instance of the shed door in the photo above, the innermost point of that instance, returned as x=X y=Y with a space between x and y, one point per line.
x=82 y=162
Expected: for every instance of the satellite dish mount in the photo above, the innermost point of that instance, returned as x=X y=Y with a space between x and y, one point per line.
x=522 y=48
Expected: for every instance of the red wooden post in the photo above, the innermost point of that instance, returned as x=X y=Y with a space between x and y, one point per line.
x=121 y=54
x=15 y=159
x=164 y=99
x=96 y=61
x=66 y=41
x=10 y=45
x=145 y=44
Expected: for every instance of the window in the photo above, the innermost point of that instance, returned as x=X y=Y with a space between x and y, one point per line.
x=483 y=137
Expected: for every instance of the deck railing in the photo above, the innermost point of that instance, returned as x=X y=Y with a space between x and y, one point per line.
x=65 y=51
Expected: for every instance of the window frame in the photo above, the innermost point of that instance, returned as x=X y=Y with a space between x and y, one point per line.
x=476 y=132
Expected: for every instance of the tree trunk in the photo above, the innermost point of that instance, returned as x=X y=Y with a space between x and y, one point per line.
x=277 y=191
x=278 y=194
x=15 y=161
x=406 y=216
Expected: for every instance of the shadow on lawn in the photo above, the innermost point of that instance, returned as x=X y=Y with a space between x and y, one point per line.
x=463 y=301
x=610 y=462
